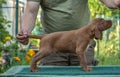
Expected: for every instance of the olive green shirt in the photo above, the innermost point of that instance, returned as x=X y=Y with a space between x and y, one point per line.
x=62 y=15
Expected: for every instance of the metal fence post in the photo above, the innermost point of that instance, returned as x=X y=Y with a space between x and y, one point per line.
x=16 y=22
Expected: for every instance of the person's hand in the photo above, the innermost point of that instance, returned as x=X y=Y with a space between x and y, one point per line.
x=113 y=4
x=116 y=4
x=22 y=37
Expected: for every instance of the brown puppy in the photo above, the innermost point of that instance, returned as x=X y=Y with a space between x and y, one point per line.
x=74 y=41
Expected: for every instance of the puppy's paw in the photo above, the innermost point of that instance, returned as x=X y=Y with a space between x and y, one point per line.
x=87 y=69
x=34 y=69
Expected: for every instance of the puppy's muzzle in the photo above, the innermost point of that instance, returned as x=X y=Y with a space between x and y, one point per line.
x=106 y=26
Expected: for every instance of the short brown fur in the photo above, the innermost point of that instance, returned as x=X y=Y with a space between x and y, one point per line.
x=74 y=41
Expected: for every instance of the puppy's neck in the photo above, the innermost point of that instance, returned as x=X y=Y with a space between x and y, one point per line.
x=90 y=32
x=91 y=35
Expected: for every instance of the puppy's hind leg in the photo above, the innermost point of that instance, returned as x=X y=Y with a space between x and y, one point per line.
x=39 y=55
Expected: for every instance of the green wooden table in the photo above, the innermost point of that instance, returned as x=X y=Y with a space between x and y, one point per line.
x=63 y=71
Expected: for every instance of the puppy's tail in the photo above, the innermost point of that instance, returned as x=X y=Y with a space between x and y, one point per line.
x=36 y=36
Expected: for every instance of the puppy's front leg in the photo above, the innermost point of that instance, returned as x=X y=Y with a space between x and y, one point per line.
x=80 y=50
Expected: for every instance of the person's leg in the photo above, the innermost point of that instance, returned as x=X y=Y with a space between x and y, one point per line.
x=90 y=54
x=55 y=59
x=73 y=60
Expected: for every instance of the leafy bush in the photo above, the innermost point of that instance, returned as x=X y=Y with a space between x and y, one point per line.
x=4 y=23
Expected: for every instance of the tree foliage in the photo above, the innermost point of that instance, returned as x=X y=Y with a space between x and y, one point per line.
x=107 y=49
x=97 y=9
x=4 y=23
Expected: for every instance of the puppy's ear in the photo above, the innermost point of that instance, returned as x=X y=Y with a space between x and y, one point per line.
x=91 y=31
x=98 y=34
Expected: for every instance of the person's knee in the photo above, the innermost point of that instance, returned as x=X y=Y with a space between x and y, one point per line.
x=56 y=59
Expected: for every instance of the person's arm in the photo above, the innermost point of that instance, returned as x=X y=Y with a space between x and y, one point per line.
x=115 y=4
x=29 y=17
x=28 y=21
